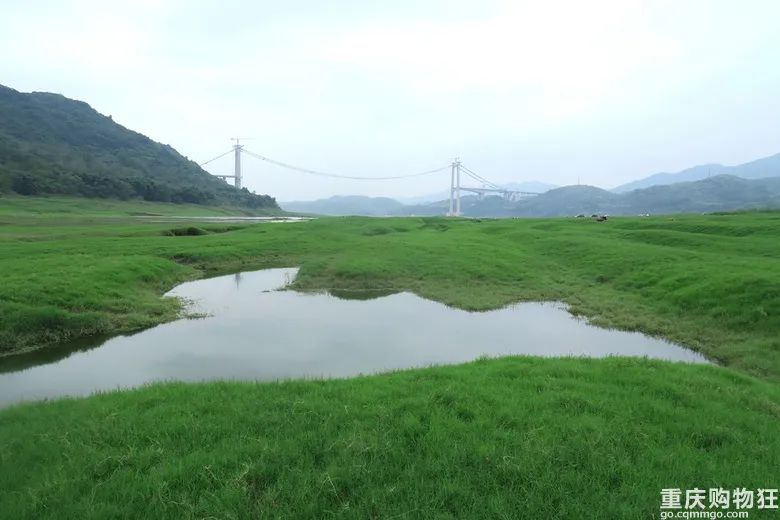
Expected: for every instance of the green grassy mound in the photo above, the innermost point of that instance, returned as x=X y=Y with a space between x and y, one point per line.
x=508 y=438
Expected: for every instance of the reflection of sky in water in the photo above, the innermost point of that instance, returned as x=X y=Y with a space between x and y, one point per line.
x=252 y=332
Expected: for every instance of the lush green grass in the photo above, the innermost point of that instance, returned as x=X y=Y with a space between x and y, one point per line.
x=511 y=438
x=711 y=282
x=508 y=438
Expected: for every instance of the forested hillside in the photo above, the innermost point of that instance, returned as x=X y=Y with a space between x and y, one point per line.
x=51 y=144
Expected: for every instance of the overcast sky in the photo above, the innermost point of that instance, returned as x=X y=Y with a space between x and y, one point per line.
x=604 y=91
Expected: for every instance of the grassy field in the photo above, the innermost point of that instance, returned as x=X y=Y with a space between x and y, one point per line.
x=508 y=438
x=511 y=438
x=710 y=282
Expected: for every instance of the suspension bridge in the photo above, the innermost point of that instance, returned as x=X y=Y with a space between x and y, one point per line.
x=456 y=168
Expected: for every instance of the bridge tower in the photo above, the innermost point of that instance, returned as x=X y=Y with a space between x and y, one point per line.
x=455 y=189
x=237 y=168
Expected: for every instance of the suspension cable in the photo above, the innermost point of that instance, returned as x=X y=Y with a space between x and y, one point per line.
x=468 y=172
x=336 y=175
x=479 y=178
x=217 y=157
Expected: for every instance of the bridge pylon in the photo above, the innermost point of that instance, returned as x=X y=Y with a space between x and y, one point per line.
x=455 y=189
x=237 y=148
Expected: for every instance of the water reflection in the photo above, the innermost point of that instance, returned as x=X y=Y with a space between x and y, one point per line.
x=368 y=294
x=162 y=219
x=253 y=332
x=48 y=355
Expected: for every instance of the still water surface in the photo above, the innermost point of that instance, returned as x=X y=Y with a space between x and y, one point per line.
x=254 y=331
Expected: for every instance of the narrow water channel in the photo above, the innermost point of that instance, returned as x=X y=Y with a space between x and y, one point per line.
x=253 y=331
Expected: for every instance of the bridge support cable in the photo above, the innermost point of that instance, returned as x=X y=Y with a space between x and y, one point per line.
x=215 y=158
x=338 y=175
x=479 y=178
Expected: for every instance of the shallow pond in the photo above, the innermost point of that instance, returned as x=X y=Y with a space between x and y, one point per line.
x=222 y=219
x=255 y=332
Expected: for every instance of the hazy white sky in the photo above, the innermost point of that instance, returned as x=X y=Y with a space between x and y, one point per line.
x=606 y=91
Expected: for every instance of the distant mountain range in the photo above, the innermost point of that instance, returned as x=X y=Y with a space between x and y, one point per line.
x=346 y=205
x=51 y=144
x=718 y=193
x=758 y=169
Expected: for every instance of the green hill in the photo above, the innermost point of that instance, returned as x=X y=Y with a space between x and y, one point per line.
x=719 y=193
x=50 y=144
x=758 y=169
x=569 y=200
